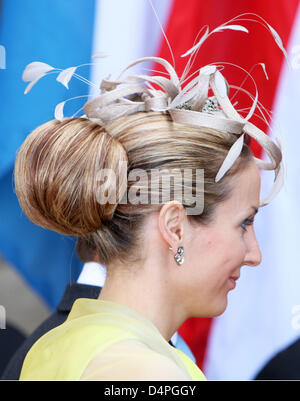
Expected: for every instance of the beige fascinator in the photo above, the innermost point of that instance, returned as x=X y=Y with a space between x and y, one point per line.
x=186 y=103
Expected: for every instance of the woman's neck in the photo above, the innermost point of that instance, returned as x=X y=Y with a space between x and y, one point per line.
x=147 y=290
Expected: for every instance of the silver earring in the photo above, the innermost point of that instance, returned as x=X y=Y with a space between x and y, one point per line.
x=179 y=256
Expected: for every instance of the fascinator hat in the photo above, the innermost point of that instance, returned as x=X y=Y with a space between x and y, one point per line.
x=187 y=103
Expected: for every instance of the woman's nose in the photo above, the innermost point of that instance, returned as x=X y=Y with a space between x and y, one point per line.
x=253 y=256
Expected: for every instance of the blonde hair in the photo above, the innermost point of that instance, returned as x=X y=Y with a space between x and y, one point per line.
x=56 y=169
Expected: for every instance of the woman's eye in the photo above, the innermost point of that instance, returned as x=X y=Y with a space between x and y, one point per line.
x=247 y=222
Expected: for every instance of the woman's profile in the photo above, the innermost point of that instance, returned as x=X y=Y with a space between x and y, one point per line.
x=163 y=184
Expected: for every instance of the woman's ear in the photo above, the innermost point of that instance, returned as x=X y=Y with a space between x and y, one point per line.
x=171 y=221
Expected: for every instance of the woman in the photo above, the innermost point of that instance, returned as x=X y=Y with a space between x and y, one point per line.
x=170 y=255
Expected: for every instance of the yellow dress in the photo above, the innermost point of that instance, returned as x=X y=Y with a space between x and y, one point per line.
x=103 y=340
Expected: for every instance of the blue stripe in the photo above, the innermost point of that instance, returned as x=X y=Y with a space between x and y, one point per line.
x=45 y=259
x=59 y=33
x=53 y=31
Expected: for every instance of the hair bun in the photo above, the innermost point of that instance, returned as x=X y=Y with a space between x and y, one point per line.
x=56 y=175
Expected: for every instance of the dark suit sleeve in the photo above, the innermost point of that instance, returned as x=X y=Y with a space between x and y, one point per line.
x=73 y=291
x=13 y=369
x=283 y=366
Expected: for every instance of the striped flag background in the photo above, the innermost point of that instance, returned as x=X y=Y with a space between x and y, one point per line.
x=263 y=313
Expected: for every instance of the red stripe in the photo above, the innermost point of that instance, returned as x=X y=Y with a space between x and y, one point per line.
x=186 y=19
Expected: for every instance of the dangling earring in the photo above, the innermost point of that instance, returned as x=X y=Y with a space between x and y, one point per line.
x=179 y=256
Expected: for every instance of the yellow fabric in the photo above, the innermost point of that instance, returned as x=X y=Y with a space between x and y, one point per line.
x=91 y=332
x=134 y=361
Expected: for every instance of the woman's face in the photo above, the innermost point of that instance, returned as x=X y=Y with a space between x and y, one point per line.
x=214 y=254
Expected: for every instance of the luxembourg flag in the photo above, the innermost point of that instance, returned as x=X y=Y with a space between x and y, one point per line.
x=261 y=317
x=263 y=312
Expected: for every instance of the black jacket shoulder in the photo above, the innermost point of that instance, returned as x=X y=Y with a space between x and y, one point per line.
x=73 y=291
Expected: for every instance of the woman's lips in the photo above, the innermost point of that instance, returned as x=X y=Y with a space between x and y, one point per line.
x=232 y=280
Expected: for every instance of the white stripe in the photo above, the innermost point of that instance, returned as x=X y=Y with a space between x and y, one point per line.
x=263 y=313
x=126 y=30
x=92 y=273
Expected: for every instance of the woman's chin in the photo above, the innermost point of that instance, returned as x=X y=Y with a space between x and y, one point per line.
x=218 y=309
x=214 y=310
